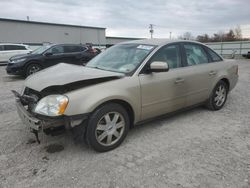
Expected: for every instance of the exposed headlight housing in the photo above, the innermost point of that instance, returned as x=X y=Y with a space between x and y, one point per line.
x=52 y=105
x=18 y=60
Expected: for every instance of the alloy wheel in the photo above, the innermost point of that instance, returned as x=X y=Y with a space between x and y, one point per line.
x=220 y=95
x=33 y=69
x=110 y=128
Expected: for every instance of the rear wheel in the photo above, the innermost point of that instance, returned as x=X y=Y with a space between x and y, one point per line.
x=33 y=68
x=107 y=127
x=218 y=97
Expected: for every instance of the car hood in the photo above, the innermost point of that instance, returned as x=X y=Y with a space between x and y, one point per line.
x=69 y=76
x=26 y=56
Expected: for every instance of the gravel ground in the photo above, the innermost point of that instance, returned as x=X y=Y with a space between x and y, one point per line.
x=196 y=148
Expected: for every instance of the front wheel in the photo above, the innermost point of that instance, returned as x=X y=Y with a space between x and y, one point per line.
x=218 y=97
x=107 y=127
x=33 y=68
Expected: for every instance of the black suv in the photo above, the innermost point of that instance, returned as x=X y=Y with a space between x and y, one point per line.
x=49 y=55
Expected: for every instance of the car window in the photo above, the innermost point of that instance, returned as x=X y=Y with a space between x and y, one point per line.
x=20 y=47
x=14 y=47
x=1 y=48
x=124 y=58
x=169 y=54
x=56 y=50
x=215 y=57
x=41 y=49
x=71 y=49
x=195 y=54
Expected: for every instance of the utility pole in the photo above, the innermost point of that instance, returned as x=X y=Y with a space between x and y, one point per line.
x=151 y=30
x=170 y=33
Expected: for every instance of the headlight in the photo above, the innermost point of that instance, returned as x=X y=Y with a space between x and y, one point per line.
x=18 y=60
x=52 y=105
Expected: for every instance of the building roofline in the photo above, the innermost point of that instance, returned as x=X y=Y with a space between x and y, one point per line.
x=48 y=23
x=110 y=37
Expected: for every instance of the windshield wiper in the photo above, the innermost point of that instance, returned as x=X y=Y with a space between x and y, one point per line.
x=105 y=69
x=97 y=68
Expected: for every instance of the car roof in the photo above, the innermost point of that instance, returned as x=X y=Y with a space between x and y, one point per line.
x=65 y=44
x=13 y=44
x=68 y=44
x=157 y=42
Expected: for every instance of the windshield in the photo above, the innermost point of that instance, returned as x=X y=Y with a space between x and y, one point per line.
x=123 y=58
x=41 y=49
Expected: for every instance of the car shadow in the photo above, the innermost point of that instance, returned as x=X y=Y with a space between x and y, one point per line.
x=67 y=141
x=164 y=119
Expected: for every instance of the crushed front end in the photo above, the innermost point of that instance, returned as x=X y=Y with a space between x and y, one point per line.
x=26 y=104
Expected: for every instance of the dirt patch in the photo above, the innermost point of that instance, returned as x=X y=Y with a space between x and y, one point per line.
x=53 y=148
x=31 y=141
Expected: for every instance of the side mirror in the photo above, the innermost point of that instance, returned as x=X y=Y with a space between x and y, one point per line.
x=48 y=54
x=159 y=66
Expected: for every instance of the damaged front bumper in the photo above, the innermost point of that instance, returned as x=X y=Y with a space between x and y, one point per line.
x=46 y=124
x=27 y=118
x=38 y=124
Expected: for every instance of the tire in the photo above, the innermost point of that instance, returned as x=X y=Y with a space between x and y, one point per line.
x=218 y=97
x=32 y=68
x=107 y=127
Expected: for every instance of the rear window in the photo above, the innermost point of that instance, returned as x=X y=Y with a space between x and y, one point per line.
x=195 y=54
x=71 y=49
x=214 y=56
x=14 y=47
x=56 y=50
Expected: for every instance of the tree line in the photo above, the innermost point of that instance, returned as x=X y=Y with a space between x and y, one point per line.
x=232 y=35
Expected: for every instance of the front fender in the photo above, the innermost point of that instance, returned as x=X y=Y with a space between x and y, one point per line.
x=86 y=100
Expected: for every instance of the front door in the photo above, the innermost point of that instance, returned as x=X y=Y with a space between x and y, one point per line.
x=163 y=92
x=56 y=55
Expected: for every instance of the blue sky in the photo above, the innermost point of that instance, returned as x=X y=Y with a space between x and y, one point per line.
x=130 y=18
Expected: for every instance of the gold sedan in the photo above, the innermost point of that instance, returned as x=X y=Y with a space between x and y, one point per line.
x=129 y=83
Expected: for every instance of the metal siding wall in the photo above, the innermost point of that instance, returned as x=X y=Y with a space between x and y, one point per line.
x=226 y=48
x=245 y=47
x=17 y=32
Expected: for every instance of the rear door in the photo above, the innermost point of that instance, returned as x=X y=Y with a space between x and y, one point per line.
x=199 y=73
x=73 y=54
x=163 y=92
x=9 y=51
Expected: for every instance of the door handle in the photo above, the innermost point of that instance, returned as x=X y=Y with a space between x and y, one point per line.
x=212 y=73
x=179 y=80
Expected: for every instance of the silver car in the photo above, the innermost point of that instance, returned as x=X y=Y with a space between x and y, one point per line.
x=129 y=83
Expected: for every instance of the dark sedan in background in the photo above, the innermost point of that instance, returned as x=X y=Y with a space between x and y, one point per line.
x=49 y=55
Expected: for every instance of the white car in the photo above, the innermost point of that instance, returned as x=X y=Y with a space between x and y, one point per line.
x=9 y=50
